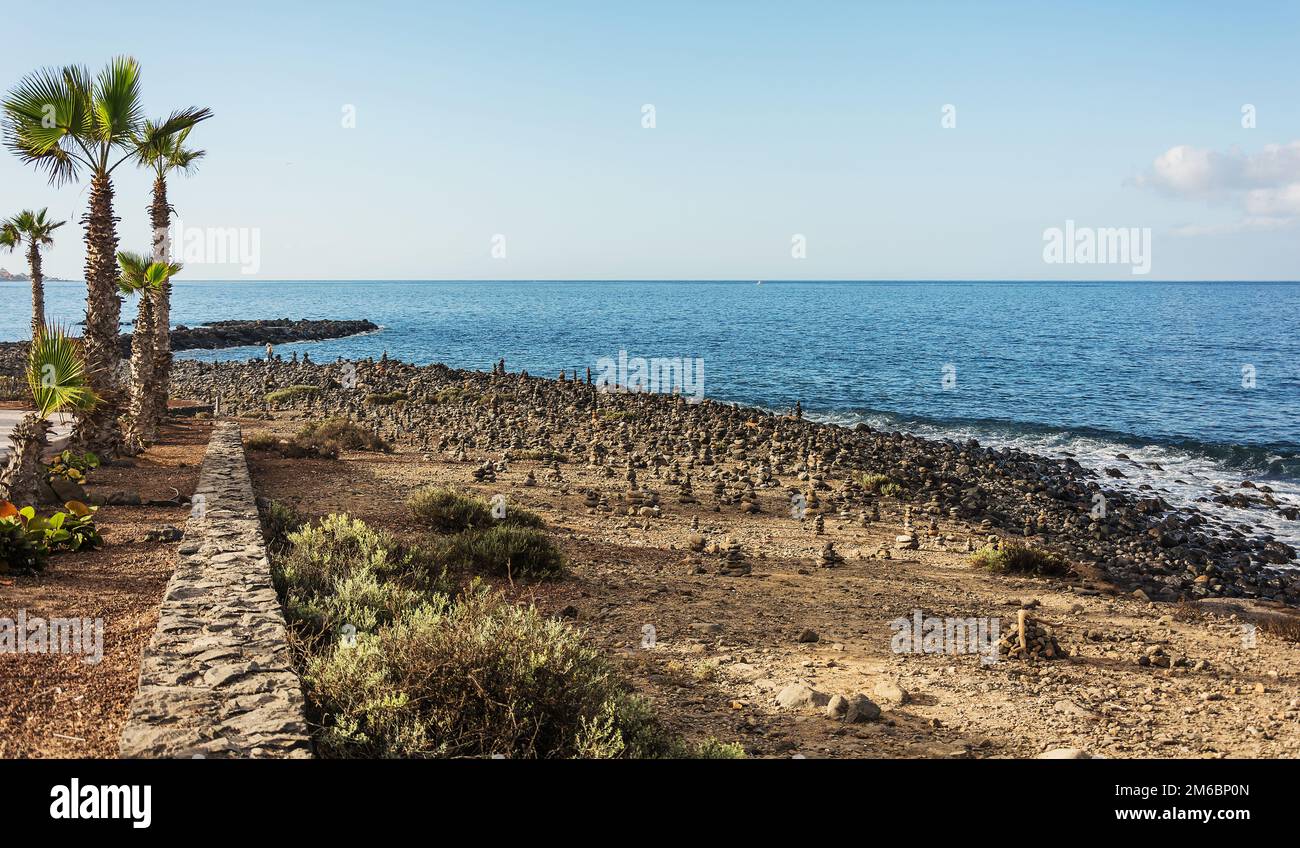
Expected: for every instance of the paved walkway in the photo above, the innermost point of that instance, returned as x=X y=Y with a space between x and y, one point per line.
x=9 y=419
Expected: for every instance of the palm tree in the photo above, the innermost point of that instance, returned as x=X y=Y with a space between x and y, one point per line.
x=35 y=229
x=164 y=153
x=68 y=123
x=147 y=279
x=59 y=381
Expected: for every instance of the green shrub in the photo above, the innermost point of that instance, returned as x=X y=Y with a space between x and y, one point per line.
x=457 y=394
x=341 y=433
x=296 y=448
x=73 y=531
x=476 y=677
x=421 y=674
x=20 y=551
x=1015 y=558
x=386 y=398
x=323 y=553
x=891 y=490
x=28 y=539
x=448 y=511
x=279 y=396
x=278 y=521
x=709 y=749
x=73 y=466
x=874 y=482
x=517 y=516
x=341 y=571
x=504 y=550
x=263 y=440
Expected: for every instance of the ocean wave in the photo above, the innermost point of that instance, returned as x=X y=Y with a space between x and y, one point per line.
x=1273 y=461
x=1188 y=473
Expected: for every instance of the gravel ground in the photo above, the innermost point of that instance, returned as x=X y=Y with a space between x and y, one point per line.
x=725 y=647
x=54 y=705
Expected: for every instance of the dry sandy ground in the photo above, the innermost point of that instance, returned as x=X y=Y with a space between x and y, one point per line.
x=58 y=705
x=724 y=646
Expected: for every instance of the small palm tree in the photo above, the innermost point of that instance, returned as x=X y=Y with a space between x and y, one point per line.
x=36 y=230
x=164 y=153
x=146 y=279
x=59 y=382
x=67 y=123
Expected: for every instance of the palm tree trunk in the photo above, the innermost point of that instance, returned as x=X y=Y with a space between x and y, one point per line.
x=20 y=480
x=139 y=429
x=97 y=430
x=38 y=289
x=160 y=220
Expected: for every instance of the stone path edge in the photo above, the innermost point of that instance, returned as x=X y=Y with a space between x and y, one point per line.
x=217 y=677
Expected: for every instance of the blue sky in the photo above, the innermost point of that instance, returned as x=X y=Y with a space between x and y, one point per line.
x=771 y=120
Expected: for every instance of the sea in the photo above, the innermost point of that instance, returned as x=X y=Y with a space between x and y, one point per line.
x=1196 y=383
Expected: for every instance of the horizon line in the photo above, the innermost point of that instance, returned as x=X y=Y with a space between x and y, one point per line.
x=748 y=280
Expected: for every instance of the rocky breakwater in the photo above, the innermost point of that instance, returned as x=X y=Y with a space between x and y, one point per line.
x=216 y=679
x=220 y=334
x=224 y=334
x=732 y=454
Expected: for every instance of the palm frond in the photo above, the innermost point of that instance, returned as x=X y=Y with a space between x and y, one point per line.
x=160 y=144
x=186 y=160
x=158 y=273
x=183 y=120
x=134 y=267
x=45 y=115
x=56 y=373
x=43 y=226
x=118 y=110
x=34 y=227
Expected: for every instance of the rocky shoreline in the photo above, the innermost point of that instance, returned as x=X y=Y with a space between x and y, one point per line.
x=217 y=335
x=720 y=455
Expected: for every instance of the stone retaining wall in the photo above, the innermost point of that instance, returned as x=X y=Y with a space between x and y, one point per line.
x=216 y=679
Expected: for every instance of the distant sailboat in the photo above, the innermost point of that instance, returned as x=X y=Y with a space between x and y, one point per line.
x=759 y=283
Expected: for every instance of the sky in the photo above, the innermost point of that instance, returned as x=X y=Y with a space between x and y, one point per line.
x=490 y=140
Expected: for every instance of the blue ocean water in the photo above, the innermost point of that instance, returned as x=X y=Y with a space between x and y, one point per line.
x=1200 y=378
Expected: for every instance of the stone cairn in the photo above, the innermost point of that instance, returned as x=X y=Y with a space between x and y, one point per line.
x=906 y=540
x=733 y=560
x=685 y=494
x=829 y=557
x=467 y=415
x=1030 y=640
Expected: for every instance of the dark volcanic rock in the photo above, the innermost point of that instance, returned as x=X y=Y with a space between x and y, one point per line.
x=218 y=335
x=1139 y=540
x=223 y=334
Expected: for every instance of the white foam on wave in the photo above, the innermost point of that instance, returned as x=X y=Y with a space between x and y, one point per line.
x=1181 y=478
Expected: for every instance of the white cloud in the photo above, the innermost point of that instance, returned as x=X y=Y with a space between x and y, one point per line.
x=1265 y=185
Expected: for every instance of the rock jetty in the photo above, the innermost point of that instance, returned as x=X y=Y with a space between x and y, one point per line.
x=220 y=334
